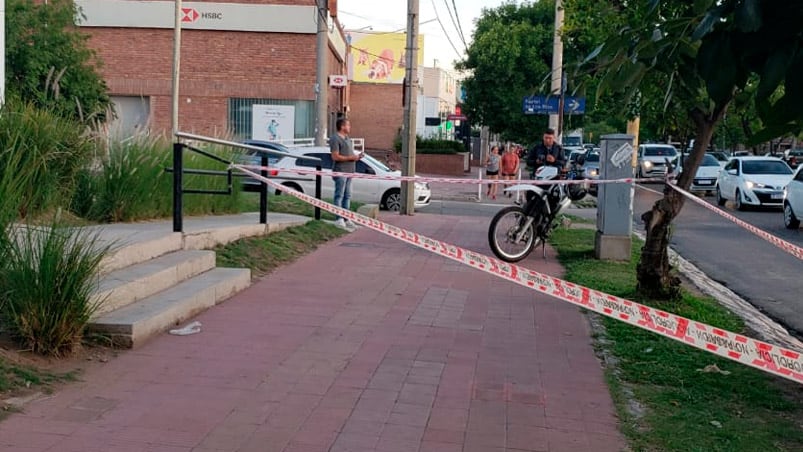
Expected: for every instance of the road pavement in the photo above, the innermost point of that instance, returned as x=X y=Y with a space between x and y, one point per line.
x=758 y=271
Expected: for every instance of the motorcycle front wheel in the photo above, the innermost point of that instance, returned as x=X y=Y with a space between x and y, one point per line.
x=505 y=226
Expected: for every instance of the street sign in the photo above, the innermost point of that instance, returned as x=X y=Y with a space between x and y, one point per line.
x=456 y=117
x=543 y=105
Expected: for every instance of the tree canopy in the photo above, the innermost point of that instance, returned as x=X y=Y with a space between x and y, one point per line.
x=509 y=58
x=48 y=61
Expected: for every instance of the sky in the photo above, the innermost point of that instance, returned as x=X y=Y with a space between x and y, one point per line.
x=391 y=15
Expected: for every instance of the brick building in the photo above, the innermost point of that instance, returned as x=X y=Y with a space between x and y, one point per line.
x=234 y=55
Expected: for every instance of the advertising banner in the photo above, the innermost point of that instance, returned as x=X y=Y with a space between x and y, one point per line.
x=378 y=57
x=273 y=122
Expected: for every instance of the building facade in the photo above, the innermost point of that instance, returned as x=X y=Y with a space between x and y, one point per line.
x=247 y=67
x=438 y=100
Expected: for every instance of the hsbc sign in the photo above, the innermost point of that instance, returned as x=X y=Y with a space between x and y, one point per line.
x=197 y=15
x=190 y=15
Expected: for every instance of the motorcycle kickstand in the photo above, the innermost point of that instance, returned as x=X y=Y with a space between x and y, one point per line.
x=543 y=247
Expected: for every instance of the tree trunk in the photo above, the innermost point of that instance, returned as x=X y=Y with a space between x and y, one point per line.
x=654 y=273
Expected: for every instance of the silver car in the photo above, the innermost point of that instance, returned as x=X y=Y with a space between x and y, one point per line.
x=590 y=168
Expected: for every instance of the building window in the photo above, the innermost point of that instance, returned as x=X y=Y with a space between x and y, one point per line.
x=132 y=116
x=241 y=117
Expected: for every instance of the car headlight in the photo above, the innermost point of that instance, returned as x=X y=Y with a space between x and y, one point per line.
x=647 y=164
x=593 y=172
x=751 y=185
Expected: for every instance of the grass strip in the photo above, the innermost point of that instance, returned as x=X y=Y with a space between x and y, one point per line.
x=665 y=398
x=266 y=253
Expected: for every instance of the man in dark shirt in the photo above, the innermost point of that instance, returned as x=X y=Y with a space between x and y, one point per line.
x=547 y=153
x=344 y=161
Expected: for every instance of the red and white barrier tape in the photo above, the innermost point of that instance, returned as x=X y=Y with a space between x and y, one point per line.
x=445 y=180
x=790 y=248
x=745 y=350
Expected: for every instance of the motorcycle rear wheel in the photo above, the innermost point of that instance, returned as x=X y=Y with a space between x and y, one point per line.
x=505 y=226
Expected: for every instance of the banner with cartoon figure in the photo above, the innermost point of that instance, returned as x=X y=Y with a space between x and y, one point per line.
x=379 y=57
x=273 y=122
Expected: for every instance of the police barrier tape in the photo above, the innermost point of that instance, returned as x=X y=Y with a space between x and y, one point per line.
x=447 y=180
x=770 y=358
x=790 y=248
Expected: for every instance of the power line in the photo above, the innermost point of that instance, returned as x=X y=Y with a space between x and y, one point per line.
x=454 y=23
x=459 y=25
x=437 y=17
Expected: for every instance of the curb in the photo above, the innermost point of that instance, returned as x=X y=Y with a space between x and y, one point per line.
x=756 y=320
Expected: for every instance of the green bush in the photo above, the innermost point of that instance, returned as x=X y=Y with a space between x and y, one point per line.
x=47 y=279
x=132 y=184
x=431 y=146
x=48 y=149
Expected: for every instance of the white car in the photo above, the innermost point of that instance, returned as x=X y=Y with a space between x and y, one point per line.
x=705 y=179
x=753 y=181
x=793 y=201
x=652 y=159
x=386 y=193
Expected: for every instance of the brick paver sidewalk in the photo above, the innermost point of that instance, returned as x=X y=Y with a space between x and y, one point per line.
x=366 y=344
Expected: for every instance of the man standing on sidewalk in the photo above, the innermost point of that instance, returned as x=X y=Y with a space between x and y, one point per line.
x=547 y=153
x=344 y=161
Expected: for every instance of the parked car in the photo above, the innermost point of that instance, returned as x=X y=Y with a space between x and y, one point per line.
x=252 y=157
x=793 y=201
x=590 y=169
x=793 y=157
x=386 y=193
x=721 y=157
x=753 y=181
x=705 y=179
x=652 y=159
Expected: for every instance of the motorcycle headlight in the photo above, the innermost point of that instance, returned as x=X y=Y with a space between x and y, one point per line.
x=593 y=172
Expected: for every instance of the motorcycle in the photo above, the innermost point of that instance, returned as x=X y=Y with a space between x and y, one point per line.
x=516 y=230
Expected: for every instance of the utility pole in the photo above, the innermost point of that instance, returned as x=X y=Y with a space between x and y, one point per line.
x=321 y=88
x=410 y=105
x=557 y=70
x=176 y=65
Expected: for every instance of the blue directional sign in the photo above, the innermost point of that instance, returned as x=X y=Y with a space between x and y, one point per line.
x=543 y=105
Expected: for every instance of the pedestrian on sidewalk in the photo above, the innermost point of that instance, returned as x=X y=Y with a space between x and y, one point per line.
x=343 y=161
x=492 y=171
x=547 y=153
x=510 y=166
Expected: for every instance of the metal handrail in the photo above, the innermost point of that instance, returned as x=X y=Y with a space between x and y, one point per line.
x=178 y=171
x=191 y=136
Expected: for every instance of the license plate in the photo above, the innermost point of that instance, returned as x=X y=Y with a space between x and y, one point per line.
x=705 y=182
x=777 y=196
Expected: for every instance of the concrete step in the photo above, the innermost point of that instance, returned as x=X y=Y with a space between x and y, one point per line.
x=125 y=286
x=132 y=325
x=131 y=247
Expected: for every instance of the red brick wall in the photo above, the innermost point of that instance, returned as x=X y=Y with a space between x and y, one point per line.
x=215 y=65
x=376 y=113
x=443 y=164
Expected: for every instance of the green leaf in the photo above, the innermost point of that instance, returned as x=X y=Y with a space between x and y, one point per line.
x=716 y=64
x=593 y=54
x=748 y=16
x=706 y=24
x=773 y=73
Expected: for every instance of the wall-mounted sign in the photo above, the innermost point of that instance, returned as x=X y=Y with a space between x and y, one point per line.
x=198 y=16
x=338 y=81
x=273 y=122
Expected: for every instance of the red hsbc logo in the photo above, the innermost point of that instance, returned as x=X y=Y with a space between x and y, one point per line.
x=189 y=15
